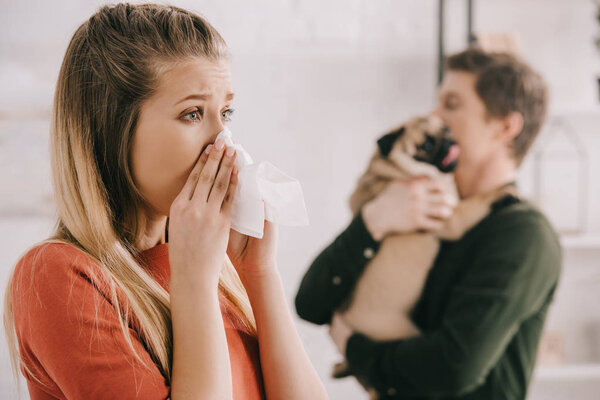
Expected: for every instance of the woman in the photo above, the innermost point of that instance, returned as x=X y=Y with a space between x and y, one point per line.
x=143 y=291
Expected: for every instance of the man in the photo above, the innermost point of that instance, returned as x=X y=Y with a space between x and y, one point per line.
x=485 y=301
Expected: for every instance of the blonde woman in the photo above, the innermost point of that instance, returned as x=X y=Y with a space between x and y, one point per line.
x=143 y=291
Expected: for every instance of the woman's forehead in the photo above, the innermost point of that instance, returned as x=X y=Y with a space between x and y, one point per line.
x=198 y=76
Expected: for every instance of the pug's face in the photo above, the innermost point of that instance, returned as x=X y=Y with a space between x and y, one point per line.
x=425 y=139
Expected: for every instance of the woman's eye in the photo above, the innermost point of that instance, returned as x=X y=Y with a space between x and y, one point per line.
x=197 y=114
x=193 y=116
x=227 y=114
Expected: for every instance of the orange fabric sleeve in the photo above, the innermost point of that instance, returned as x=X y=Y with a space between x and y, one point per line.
x=69 y=333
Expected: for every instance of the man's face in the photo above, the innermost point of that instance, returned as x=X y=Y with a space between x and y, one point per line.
x=463 y=111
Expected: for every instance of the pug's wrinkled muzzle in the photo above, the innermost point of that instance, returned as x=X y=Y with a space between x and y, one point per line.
x=440 y=151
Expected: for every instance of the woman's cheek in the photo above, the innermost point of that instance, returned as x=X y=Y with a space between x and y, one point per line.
x=178 y=160
x=161 y=165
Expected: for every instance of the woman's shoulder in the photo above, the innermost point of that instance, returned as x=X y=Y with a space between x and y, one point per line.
x=49 y=270
x=52 y=284
x=53 y=248
x=51 y=257
x=66 y=323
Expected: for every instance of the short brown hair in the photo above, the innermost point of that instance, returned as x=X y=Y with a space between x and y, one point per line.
x=506 y=84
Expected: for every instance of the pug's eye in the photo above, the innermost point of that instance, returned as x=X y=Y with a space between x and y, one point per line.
x=428 y=145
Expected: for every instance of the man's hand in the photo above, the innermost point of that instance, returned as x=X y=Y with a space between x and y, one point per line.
x=340 y=332
x=408 y=206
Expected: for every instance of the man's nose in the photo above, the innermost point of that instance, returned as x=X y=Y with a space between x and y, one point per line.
x=439 y=113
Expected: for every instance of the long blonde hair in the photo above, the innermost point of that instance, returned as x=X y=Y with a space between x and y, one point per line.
x=111 y=66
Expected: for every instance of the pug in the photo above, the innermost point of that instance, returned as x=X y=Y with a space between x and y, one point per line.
x=391 y=284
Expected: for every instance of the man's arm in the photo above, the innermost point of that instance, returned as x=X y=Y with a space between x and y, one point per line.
x=334 y=272
x=514 y=272
x=403 y=206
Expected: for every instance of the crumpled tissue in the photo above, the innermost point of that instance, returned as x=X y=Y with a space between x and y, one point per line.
x=263 y=192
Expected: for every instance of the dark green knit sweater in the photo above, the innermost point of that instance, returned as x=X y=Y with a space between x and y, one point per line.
x=481 y=312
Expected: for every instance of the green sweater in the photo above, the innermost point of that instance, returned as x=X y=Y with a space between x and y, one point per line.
x=481 y=313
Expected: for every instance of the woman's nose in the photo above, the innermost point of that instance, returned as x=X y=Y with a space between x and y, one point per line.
x=216 y=125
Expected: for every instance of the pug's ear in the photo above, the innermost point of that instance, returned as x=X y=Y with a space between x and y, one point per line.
x=386 y=142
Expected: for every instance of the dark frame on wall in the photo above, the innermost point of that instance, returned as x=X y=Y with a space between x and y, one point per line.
x=470 y=34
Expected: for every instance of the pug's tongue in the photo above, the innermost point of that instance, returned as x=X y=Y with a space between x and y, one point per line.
x=452 y=155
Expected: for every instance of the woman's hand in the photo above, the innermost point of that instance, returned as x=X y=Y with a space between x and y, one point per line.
x=286 y=369
x=408 y=206
x=199 y=224
x=200 y=216
x=251 y=256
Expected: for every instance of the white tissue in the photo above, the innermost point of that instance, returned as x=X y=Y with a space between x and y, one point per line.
x=263 y=192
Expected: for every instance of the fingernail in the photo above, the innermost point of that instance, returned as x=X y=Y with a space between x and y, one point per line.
x=208 y=149
x=219 y=144
x=230 y=151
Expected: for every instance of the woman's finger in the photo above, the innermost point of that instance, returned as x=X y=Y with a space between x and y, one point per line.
x=192 y=179
x=270 y=228
x=230 y=194
x=208 y=173
x=219 y=188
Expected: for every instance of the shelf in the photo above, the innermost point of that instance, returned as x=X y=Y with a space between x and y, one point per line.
x=568 y=372
x=580 y=241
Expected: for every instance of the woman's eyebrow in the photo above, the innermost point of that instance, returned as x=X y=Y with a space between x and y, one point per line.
x=194 y=96
x=203 y=96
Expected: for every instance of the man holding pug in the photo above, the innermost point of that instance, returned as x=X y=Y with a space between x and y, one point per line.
x=485 y=301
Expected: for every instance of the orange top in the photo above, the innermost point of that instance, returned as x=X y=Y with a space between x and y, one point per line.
x=69 y=334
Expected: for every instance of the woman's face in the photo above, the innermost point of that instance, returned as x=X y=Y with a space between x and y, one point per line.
x=189 y=108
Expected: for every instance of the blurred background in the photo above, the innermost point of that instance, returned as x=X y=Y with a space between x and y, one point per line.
x=316 y=83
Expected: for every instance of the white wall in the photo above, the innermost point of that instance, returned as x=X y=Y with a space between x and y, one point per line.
x=316 y=82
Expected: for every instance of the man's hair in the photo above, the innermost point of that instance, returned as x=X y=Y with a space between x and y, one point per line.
x=506 y=84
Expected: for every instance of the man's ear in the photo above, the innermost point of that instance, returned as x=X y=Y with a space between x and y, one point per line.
x=512 y=125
